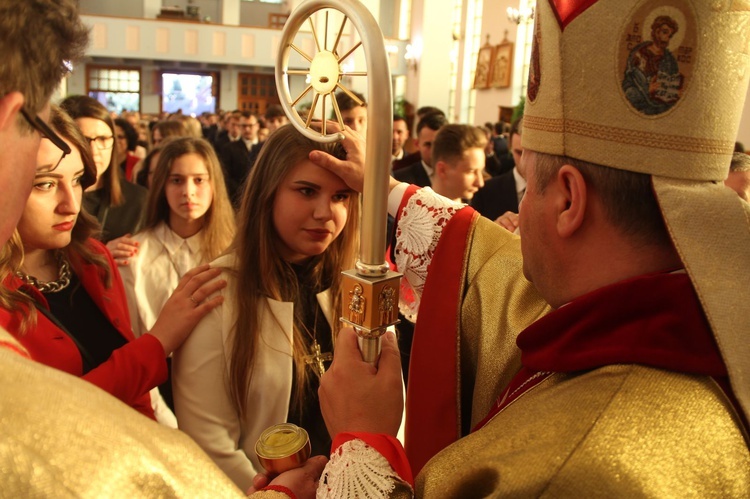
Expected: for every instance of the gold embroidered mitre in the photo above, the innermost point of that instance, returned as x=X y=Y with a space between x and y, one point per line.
x=651 y=86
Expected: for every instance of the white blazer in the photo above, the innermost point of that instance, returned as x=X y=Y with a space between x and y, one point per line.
x=200 y=381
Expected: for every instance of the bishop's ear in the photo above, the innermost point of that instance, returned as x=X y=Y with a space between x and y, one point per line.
x=572 y=199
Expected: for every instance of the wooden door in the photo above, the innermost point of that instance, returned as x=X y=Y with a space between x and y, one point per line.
x=257 y=91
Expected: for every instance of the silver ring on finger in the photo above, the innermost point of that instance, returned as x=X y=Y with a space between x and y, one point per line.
x=192 y=299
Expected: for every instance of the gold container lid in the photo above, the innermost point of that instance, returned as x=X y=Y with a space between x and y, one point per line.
x=282 y=447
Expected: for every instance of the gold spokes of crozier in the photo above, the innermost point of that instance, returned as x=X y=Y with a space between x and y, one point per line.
x=325 y=78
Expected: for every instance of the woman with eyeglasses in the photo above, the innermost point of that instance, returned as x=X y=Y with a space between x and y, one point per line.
x=116 y=203
x=62 y=297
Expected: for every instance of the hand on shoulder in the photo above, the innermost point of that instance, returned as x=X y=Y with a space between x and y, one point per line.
x=189 y=303
x=122 y=249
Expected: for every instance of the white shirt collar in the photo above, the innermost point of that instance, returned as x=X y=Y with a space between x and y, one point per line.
x=174 y=243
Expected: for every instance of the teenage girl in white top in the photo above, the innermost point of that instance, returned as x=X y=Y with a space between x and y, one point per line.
x=188 y=221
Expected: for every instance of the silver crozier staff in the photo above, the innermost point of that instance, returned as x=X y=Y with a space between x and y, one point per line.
x=370 y=291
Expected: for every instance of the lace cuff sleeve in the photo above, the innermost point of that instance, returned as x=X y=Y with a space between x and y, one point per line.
x=418 y=233
x=358 y=470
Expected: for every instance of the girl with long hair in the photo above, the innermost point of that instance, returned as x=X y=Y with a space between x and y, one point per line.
x=116 y=203
x=62 y=296
x=254 y=361
x=188 y=222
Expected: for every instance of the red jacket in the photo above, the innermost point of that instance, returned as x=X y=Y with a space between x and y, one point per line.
x=129 y=373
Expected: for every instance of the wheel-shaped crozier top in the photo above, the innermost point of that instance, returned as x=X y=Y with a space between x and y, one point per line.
x=324 y=75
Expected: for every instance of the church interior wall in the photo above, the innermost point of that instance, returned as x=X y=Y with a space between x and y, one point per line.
x=427 y=82
x=495 y=23
x=131 y=8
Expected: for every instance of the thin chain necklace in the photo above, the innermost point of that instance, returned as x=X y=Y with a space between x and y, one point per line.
x=506 y=400
x=62 y=282
x=316 y=358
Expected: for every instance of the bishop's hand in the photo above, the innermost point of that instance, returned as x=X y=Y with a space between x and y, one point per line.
x=356 y=396
x=352 y=169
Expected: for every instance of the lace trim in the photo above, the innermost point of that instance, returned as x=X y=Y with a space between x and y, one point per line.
x=357 y=470
x=417 y=235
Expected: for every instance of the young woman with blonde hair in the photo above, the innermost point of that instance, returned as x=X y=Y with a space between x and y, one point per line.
x=61 y=294
x=251 y=363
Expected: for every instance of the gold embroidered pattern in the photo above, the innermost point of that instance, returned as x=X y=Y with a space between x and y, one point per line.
x=552 y=125
x=627 y=136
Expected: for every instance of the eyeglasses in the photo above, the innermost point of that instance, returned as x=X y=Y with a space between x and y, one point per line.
x=248 y=125
x=46 y=132
x=101 y=141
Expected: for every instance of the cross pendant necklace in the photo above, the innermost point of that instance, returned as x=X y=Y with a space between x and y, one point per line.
x=317 y=358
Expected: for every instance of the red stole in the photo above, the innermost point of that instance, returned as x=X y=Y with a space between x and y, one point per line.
x=432 y=402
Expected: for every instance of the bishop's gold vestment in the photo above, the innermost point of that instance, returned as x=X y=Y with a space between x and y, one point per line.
x=63 y=437
x=658 y=433
x=617 y=431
